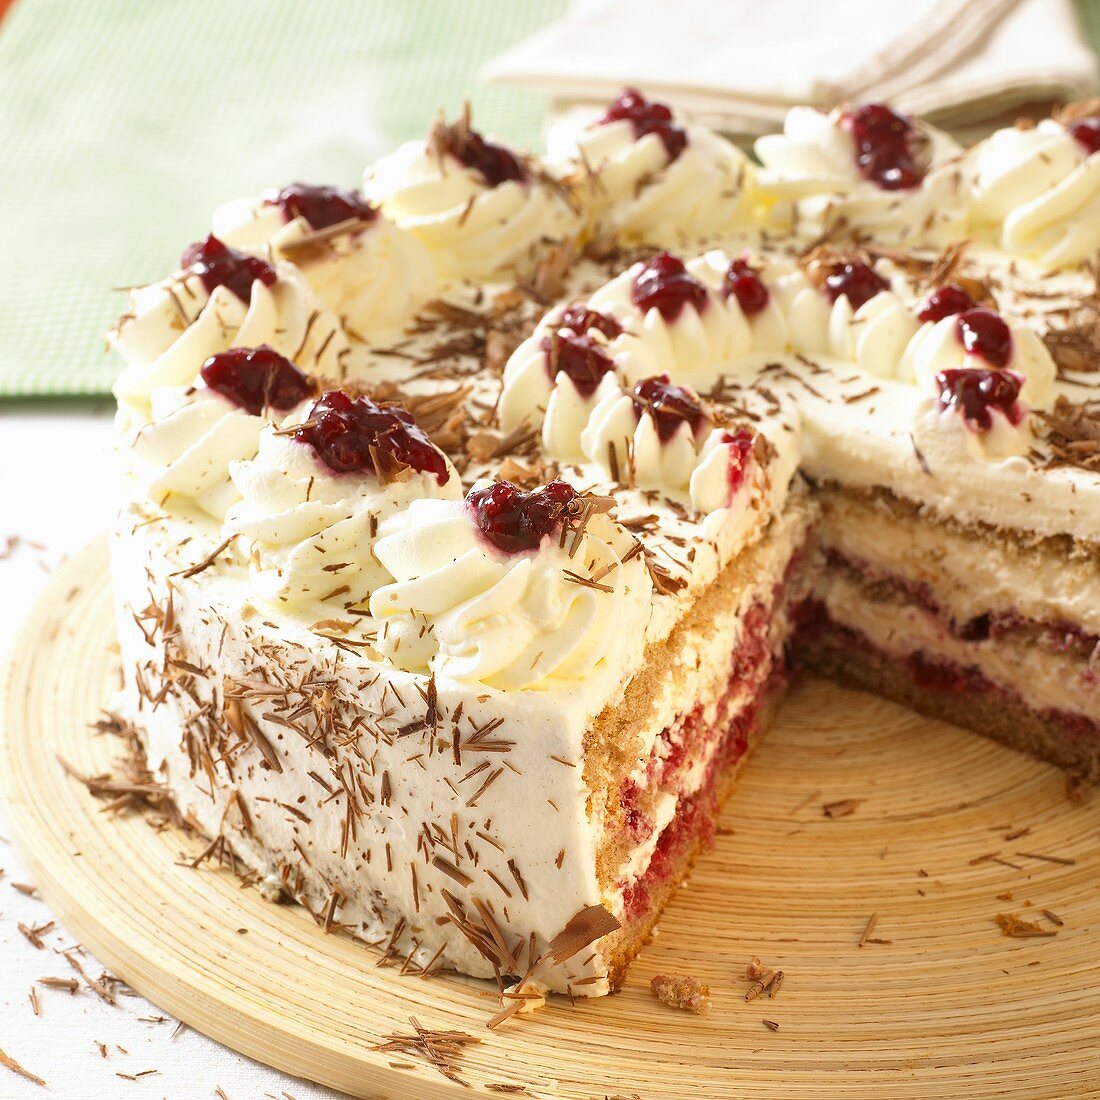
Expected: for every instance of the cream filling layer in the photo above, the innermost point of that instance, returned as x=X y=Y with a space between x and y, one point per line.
x=968 y=575
x=1049 y=680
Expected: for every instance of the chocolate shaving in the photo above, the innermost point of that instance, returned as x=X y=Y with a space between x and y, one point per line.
x=590 y=924
x=10 y=1063
x=1073 y=433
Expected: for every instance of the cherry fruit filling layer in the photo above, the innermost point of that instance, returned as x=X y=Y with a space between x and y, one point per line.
x=670 y=406
x=888 y=147
x=322 y=206
x=216 y=264
x=648 y=117
x=985 y=334
x=352 y=436
x=256 y=379
x=515 y=521
x=664 y=284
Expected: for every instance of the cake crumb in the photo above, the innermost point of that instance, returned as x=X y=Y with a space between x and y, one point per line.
x=765 y=979
x=771 y=1025
x=683 y=992
x=1016 y=928
x=1077 y=787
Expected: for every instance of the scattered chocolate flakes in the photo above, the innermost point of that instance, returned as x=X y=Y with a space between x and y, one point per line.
x=206 y=562
x=10 y=1063
x=764 y=979
x=872 y=920
x=1018 y=929
x=681 y=991
x=1073 y=433
x=70 y=984
x=842 y=808
x=438 y=1048
x=585 y=927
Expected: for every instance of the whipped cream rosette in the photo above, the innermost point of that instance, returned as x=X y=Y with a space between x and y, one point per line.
x=645 y=174
x=480 y=209
x=977 y=338
x=866 y=167
x=556 y=376
x=691 y=329
x=660 y=317
x=370 y=273
x=1037 y=189
x=848 y=309
x=972 y=413
x=220 y=298
x=316 y=492
x=183 y=456
x=510 y=589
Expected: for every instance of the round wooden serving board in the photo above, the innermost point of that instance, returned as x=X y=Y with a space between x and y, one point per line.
x=937 y=1002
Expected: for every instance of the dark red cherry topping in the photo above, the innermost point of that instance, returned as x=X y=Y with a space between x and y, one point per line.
x=741 y=443
x=887 y=146
x=744 y=283
x=985 y=334
x=352 y=436
x=494 y=162
x=323 y=206
x=256 y=379
x=669 y=405
x=515 y=521
x=582 y=320
x=855 y=281
x=946 y=302
x=976 y=394
x=665 y=285
x=582 y=358
x=1087 y=132
x=219 y=265
x=648 y=117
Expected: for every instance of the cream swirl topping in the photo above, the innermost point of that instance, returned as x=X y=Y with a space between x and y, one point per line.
x=1040 y=188
x=174 y=326
x=557 y=374
x=186 y=451
x=467 y=612
x=691 y=341
x=366 y=270
x=873 y=333
x=813 y=165
x=938 y=346
x=479 y=209
x=312 y=531
x=653 y=180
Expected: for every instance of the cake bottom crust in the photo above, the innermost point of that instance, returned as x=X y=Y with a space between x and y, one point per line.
x=948 y=692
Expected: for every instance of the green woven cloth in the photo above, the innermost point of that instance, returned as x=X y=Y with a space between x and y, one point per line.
x=124 y=124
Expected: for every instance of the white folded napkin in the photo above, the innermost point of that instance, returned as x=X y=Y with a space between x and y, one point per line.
x=740 y=64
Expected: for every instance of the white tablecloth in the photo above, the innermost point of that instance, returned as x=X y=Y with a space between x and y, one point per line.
x=55 y=493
